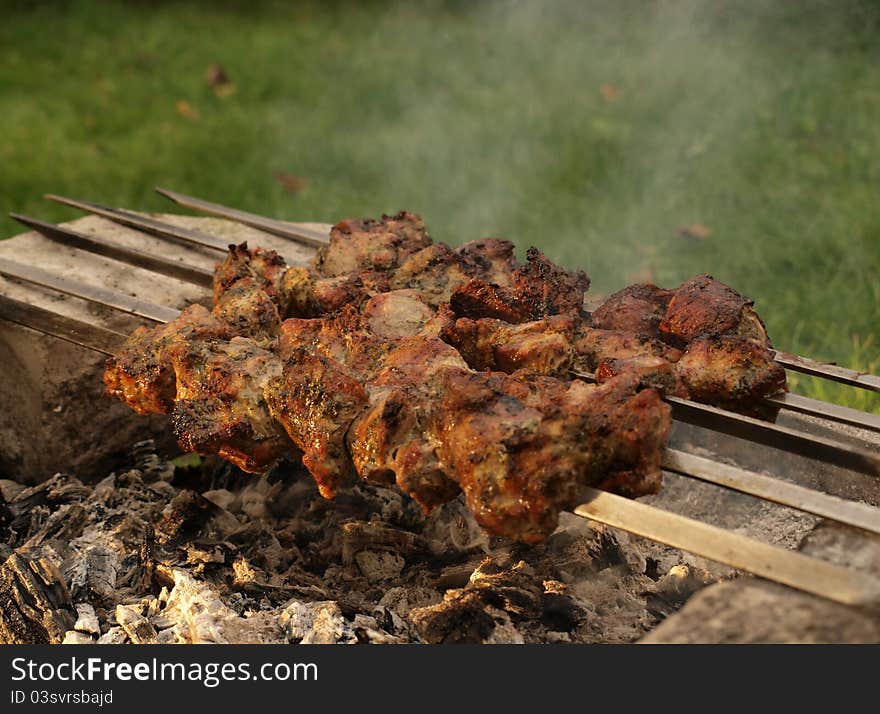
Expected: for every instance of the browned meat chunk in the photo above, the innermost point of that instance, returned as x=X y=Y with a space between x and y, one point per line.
x=655 y=372
x=141 y=374
x=364 y=245
x=249 y=310
x=220 y=407
x=264 y=267
x=538 y=288
x=637 y=308
x=731 y=372
x=704 y=306
x=315 y=401
x=543 y=346
x=592 y=346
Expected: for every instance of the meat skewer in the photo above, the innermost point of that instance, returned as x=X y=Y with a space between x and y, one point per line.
x=809 y=574
x=792 y=440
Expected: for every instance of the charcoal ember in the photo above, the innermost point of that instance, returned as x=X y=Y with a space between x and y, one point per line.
x=35 y=604
x=138 y=628
x=92 y=572
x=367 y=630
x=561 y=608
x=43 y=499
x=190 y=515
x=87 y=619
x=195 y=613
x=72 y=637
x=113 y=636
x=62 y=525
x=317 y=623
x=379 y=565
x=374 y=536
x=494 y=598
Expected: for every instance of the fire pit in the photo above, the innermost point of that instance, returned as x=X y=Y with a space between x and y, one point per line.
x=121 y=544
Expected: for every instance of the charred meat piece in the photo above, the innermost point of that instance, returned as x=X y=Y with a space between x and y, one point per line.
x=141 y=374
x=264 y=267
x=315 y=401
x=704 y=306
x=367 y=245
x=654 y=372
x=489 y=259
x=543 y=346
x=391 y=442
x=732 y=372
x=249 y=310
x=219 y=407
x=537 y=289
x=520 y=447
x=592 y=346
x=637 y=308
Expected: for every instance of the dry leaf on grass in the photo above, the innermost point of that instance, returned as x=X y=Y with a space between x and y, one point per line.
x=609 y=93
x=186 y=110
x=695 y=230
x=290 y=182
x=217 y=79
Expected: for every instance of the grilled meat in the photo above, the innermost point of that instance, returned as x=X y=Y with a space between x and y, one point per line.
x=264 y=267
x=543 y=346
x=537 y=289
x=141 y=374
x=443 y=371
x=315 y=400
x=729 y=371
x=357 y=246
x=637 y=308
x=704 y=307
x=219 y=406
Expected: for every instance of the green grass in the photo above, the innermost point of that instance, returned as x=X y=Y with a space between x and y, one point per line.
x=759 y=120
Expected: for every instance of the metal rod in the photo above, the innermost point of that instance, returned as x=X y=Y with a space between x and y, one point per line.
x=762 y=432
x=825 y=410
x=92 y=293
x=851 y=513
x=812 y=575
x=828 y=371
x=51 y=323
x=132 y=256
x=820 y=448
x=292 y=231
x=143 y=223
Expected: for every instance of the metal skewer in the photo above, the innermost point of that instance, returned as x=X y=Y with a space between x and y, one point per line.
x=812 y=575
x=301 y=234
x=101 y=246
x=851 y=513
x=150 y=225
x=101 y=296
x=828 y=371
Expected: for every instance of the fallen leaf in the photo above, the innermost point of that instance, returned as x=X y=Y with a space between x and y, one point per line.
x=218 y=80
x=609 y=93
x=695 y=230
x=290 y=182
x=215 y=75
x=186 y=110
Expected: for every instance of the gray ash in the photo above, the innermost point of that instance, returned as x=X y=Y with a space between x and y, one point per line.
x=204 y=553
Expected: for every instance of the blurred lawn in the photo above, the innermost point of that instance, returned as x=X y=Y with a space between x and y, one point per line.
x=594 y=130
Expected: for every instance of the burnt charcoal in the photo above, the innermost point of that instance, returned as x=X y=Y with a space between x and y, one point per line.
x=35 y=605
